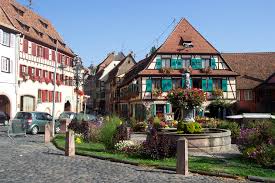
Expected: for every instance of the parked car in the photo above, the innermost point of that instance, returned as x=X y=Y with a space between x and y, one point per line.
x=4 y=118
x=35 y=121
x=90 y=118
x=67 y=115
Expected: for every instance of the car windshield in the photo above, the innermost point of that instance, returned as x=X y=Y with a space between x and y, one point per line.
x=66 y=115
x=85 y=117
x=23 y=115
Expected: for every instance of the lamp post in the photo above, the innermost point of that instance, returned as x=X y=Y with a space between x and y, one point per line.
x=78 y=67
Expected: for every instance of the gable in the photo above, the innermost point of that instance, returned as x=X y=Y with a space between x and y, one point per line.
x=184 y=32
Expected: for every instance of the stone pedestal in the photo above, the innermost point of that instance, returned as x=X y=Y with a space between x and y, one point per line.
x=128 y=133
x=64 y=125
x=69 y=144
x=48 y=133
x=182 y=156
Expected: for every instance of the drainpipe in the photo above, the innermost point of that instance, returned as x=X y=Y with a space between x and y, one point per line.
x=16 y=67
x=54 y=88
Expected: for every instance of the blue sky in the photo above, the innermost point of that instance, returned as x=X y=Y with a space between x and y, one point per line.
x=93 y=28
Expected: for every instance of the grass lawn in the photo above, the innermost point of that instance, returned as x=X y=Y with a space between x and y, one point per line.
x=234 y=166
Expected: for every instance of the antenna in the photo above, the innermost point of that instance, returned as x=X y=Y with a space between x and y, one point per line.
x=30 y=3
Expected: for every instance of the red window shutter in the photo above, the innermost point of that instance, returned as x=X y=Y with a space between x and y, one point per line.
x=37 y=72
x=57 y=76
x=43 y=95
x=33 y=49
x=25 y=46
x=50 y=96
x=56 y=94
x=47 y=53
x=71 y=62
x=50 y=75
x=21 y=71
x=44 y=73
x=30 y=71
x=60 y=97
x=53 y=55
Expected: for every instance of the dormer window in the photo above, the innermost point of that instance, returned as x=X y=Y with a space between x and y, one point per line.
x=187 y=44
x=24 y=26
x=52 y=39
x=40 y=34
x=18 y=11
x=63 y=44
x=45 y=25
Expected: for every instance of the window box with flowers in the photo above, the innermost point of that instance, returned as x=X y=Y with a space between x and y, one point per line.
x=47 y=80
x=156 y=92
x=166 y=70
x=25 y=76
x=206 y=70
x=41 y=79
x=58 y=82
x=34 y=78
x=184 y=70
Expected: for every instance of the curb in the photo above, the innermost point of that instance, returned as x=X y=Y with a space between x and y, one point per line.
x=225 y=175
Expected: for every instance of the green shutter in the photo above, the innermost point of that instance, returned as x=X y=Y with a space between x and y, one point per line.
x=179 y=64
x=148 y=85
x=224 y=85
x=166 y=84
x=167 y=108
x=196 y=63
x=191 y=83
x=174 y=63
x=213 y=63
x=153 y=109
x=210 y=85
x=204 y=84
x=183 y=83
x=158 y=63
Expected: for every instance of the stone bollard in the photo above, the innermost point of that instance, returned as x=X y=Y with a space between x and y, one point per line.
x=69 y=144
x=182 y=156
x=128 y=133
x=48 y=134
x=64 y=125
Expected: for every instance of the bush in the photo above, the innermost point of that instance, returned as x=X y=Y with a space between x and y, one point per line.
x=257 y=142
x=232 y=126
x=94 y=133
x=156 y=122
x=109 y=130
x=140 y=127
x=189 y=127
x=80 y=128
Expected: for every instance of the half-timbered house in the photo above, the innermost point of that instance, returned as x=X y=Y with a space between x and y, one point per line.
x=146 y=85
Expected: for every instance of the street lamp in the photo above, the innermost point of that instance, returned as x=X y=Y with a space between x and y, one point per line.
x=78 y=67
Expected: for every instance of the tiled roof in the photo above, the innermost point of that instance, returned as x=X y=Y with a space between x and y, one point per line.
x=135 y=70
x=253 y=68
x=4 y=21
x=184 y=31
x=39 y=29
x=110 y=57
x=114 y=71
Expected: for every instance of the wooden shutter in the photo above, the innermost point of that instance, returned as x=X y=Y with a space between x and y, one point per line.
x=224 y=84
x=204 y=84
x=153 y=109
x=179 y=64
x=158 y=63
x=33 y=49
x=29 y=70
x=44 y=95
x=60 y=97
x=174 y=63
x=191 y=83
x=25 y=46
x=213 y=63
x=148 y=85
x=37 y=72
x=167 y=108
x=196 y=63
x=46 y=50
x=210 y=84
x=166 y=85
x=53 y=55
x=21 y=71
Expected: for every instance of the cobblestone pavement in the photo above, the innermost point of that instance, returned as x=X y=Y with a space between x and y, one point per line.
x=29 y=160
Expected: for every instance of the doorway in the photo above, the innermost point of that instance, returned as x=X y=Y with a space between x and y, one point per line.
x=5 y=105
x=67 y=106
x=27 y=103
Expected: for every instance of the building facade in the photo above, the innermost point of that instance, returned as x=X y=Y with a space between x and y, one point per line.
x=9 y=38
x=255 y=91
x=145 y=87
x=40 y=48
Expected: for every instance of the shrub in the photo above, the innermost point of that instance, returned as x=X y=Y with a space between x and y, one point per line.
x=232 y=126
x=156 y=122
x=257 y=142
x=80 y=128
x=189 y=127
x=94 y=133
x=108 y=131
x=140 y=127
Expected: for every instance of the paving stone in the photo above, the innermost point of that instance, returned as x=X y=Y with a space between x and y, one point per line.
x=30 y=160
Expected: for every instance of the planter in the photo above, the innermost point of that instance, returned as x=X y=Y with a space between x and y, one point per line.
x=210 y=140
x=188 y=115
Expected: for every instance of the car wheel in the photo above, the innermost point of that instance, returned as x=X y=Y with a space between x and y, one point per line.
x=57 y=129
x=34 y=130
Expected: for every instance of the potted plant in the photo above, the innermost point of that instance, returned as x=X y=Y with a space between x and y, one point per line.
x=25 y=76
x=206 y=70
x=184 y=70
x=47 y=80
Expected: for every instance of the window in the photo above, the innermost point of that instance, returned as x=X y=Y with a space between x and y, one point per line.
x=5 y=65
x=6 y=39
x=176 y=83
x=20 y=12
x=197 y=83
x=205 y=63
x=39 y=51
x=156 y=83
x=24 y=26
x=187 y=44
x=159 y=109
x=248 y=95
x=186 y=63
x=166 y=62
x=25 y=46
x=45 y=25
x=217 y=83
